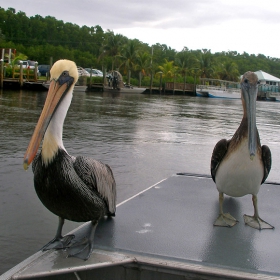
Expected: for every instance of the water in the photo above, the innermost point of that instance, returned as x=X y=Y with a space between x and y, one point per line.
x=143 y=138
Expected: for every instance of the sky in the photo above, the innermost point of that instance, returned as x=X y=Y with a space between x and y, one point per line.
x=250 y=26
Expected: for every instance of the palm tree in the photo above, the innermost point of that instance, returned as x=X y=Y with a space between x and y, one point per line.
x=229 y=71
x=206 y=64
x=143 y=61
x=16 y=59
x=168 y=70
x=128 y=57
x=186 y=63
x=112 y=46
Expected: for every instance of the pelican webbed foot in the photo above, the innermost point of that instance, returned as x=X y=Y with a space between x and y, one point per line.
x=58 y=243
x=83 y=248
x=256 y=222
x=225 y=220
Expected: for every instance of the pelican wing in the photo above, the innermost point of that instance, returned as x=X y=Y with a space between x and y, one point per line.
x=99 y=177
x=266 y=158
x=218 y=155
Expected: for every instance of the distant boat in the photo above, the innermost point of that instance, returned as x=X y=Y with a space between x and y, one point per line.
x=116 y=84
x=125 y=89
x=218 y=89
x=77 y=88
x=218 y=92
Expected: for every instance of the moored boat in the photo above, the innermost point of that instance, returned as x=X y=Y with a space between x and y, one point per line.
x=217 y=92
x=115 y=84
x=214 y=88
x=125 y=89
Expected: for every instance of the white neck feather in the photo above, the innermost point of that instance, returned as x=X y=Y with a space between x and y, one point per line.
x=53 y=135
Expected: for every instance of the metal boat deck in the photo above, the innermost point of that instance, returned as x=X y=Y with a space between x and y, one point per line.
x=167 y=232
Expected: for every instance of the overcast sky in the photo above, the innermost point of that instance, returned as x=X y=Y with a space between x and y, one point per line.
x=252 y=26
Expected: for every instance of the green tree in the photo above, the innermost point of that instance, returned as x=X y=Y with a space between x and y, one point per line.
x=228 y=70
x=186 y=62
x=143 y=61
x=2 y=37
x=43 y=37
x=112 y=47
x=206 y=64
x=168 y=70
x=128 y=57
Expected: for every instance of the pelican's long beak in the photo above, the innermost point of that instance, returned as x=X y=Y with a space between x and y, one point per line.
x=249 y=92
x=56 y=92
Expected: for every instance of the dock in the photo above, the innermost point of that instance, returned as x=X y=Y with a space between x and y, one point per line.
x=21 y=78
x=167 y=232
x=267 y=92
x=168 y=88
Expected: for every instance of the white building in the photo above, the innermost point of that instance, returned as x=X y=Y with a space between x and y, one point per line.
x=267 y=79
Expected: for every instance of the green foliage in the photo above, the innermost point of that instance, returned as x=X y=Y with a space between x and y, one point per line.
x=41 y=38
x=98 y=80
x=228 y=70
x=146 y=81
x=16 y=70
x=168 y=70
x=9 y=72
x=134 y=81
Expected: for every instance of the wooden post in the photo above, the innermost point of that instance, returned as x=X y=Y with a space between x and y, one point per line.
x=35 y=73
x=90 y=78
x=151 y=82
x=194 y=88
x=104 y=75
x=184 y=89
x=48 y=75
x=10 y=55
x=1 y=74
x=140 y=79
x=174 y=84
x=27 y=77
x=20 y=74
x=128 y=80
x=160 y=82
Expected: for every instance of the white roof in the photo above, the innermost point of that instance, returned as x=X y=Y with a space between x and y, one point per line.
x=266 y=77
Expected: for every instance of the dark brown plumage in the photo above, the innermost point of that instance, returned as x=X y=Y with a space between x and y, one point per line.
x=78 y=189
x=240 y=165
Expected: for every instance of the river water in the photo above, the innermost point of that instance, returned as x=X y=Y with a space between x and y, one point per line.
x=144 y=138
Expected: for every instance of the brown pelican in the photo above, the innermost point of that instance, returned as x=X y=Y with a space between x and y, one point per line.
x=240 y=165
x=78 y=189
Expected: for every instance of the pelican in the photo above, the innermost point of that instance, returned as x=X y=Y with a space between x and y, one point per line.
x=79 y=188
x=240 y=165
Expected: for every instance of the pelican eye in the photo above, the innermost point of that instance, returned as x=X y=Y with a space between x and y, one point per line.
x=65 y=78
x=246 y=81
x=65 y=73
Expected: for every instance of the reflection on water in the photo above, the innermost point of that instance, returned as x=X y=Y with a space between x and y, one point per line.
x=143 y=138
